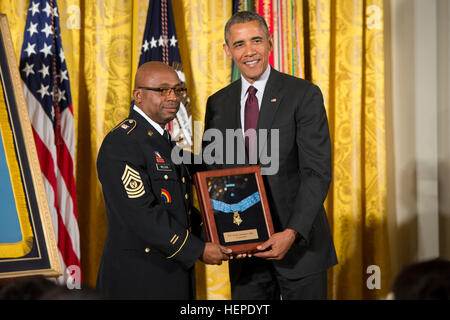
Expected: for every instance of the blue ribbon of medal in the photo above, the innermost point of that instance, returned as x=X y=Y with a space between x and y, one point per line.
x=240 y=206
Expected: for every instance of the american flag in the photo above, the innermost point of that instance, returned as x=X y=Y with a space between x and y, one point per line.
x=47 y=91
x=160 y=43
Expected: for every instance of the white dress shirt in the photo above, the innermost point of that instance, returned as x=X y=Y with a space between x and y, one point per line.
x=153 y=123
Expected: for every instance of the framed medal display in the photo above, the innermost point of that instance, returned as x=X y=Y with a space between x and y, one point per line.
x=234 y=207
x=28 y=244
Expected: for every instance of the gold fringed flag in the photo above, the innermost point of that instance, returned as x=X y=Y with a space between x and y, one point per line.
x=160 y=43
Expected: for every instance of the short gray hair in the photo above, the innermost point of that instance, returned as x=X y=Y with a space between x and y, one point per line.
x=243 y=17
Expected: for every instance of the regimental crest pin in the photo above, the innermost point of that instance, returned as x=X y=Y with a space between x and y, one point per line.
x=132 y=183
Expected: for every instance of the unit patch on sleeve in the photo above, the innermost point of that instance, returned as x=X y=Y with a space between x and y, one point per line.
x=165 y=195
x=133 y=183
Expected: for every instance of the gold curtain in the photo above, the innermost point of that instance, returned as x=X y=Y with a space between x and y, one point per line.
x=347 y=62
x=102 y=39
x=207 y=70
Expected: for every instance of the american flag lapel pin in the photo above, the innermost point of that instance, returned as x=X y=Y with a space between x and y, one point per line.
x=273 y=100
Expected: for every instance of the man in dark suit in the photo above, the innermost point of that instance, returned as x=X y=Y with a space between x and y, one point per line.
x=150 y=250
x=293 y=263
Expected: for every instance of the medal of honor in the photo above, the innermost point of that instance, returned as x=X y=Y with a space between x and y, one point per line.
x=237 y=218
x=235 y=208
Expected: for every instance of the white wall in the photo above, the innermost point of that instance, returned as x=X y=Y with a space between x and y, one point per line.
x=418 y=116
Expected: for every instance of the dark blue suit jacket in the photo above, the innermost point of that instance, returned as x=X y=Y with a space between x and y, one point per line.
x=296 y=192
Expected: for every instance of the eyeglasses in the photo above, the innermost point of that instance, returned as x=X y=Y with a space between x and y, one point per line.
x=180 y=92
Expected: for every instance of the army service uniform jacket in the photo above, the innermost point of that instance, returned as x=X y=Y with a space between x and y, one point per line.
x=149 y=251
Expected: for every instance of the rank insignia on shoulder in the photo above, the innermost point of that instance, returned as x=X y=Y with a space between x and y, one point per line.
x=165 y=195
x=132 y=183
x=128 y=125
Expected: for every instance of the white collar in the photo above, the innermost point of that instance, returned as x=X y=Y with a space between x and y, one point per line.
x=259 y=84
x=153 y=123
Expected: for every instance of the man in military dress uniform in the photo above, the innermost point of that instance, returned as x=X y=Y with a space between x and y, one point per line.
x=150 y=249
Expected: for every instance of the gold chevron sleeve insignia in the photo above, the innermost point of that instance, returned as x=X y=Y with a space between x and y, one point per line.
x=174 y=239
x=133 y=183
